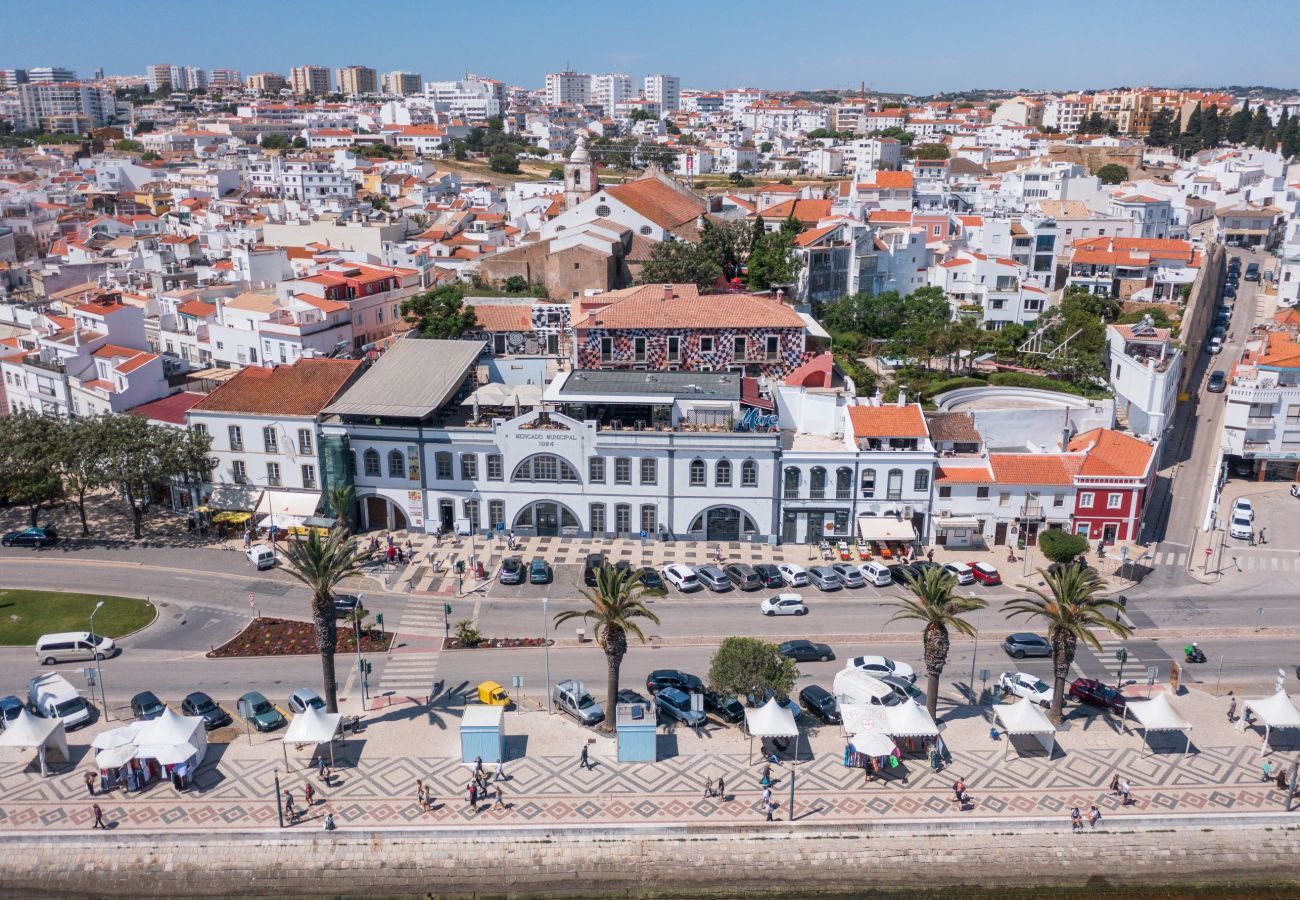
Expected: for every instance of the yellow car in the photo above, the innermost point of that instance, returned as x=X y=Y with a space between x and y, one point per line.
x=493 y=694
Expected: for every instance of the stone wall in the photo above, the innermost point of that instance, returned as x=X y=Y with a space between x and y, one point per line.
x=667 y=860
x=1199 y=311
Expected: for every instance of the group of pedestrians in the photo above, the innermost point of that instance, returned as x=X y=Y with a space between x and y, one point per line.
x=1076 y=818
x=1121 y=788
x=484 y=787
x=715 y=791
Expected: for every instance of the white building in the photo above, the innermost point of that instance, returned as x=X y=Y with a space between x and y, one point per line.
x=1145 y=369
x=401 y=83
x=1261 y=421
x=666 y=90
x=65 y=106
x=568 y=88
x=299 y=179
x=607 y=91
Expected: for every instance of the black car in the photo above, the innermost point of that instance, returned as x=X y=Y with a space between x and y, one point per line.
x=1252 y=272
x=770 y=575
x=628 y=695
x=728 y=709
x=200 y=704
x=1218 y=382
x=666 y=678
x=345 y=605
x=743 y=576
x=650 y=579
x=900 y=572
x=821 y=703
x=31 y=537
x=593 y=562
x=806 y=651
x=146 y=705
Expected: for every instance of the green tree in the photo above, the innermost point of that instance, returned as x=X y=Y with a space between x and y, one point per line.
x=765 y=147
x=617 y=605
x=321 y=565
x=299 y=143
x=274 y=142
x=81 y=461
x=340 y=502
x=1161 y=132
x=640 y=115
x=515 y=284
x=1261 y=127
x=751 y=667
x=506 y=163
x=1062 y=546
x=1211 y=129
x=141 y=459
x=930 y=151
x=772 y=260
x=441 y=312
x=149 y=156
x=726 y=244
x=1071 y=607
x=128 y=146
x=1238 y=125
x=556 y=173
x=30 y=446
x=459 y=150
x=1112 y=173
x=935 y=603
x=679 y=262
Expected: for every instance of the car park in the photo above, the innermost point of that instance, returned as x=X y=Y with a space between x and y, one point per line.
x=682 y=577
x=34 y=537
x=1022 y=684
x=825 y=578
x=666 y=678
x=539 y=571
x=806 y=651
x=258 y=712
x=728 y=709
x=10 y=707
x=713 y=578
x=850 y=575
x=1218 y=382
x=784 y=605
x=590 y=566
x=675 y=704
x=200 y=704
x=512 y=570
x=821 y=703
x=146 y=705
x=743 y=576
x=770 y=575
x=876 y=574
x=1022 y=644
x=302 y=698
x=879 y=666
x=904 y=689
x=1243 y=508
x=1094 y=693
x=1241 y=528
x=960 y=571
x=794 y=575
x=985 y=574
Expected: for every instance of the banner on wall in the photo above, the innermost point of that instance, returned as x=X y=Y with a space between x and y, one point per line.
x=413 y=462
x=415 y=508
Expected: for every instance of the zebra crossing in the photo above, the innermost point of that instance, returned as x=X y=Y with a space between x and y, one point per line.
x=414 y=672
x=1246 y=559
x=1132 y=666
x=424 y=617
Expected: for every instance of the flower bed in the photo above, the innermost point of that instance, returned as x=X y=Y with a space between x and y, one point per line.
x=267 y=636
x=493 y=643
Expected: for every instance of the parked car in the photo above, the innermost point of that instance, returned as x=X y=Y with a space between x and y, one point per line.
x=880 y=666
x=728 y=709
x=1022 y=684
x=539 y=571
x=1252 y=272
x=571 y=697
x=198 y=703
x=73 y=646
x=783 y=605
x=1022 y=644
x=10 y=706
x=960 y=571
x=590 y=565
x=743 y=576
x=682 y=577
x=794 y=575
x=261 y=556
x=666 y=678
x=825 y=578
x=31 y=537
x=984 y=573
x=675 y=704
x=713 y=578
x=146 y=705
x=806 y=651
x=1094 y=693
x=302 y=698
x=821 y=703
x=1230 y=293
x=1218 y=382
x=512 y=570
x=257 y=711
x=900 y=572
x=346 y=604
x=1214 y=345
x=1244 y=508
x=770 y=575
x=876 y=574
x=850 y=575
x=627 y=695
x=1241 y=528
x=651 y=581
x=904 y=689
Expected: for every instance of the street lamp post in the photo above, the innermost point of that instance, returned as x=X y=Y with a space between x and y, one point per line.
x=546 y=652
x=279 y=808
x=974 y=653
x=99 y=675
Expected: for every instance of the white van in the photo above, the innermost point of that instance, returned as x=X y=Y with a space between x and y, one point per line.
x=73 y=646
x=876 y=574
x=856 y=686
x=54 y=698
x=261 y=556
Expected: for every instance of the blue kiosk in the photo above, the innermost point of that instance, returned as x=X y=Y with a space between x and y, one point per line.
x=482 y=733
x=638 y=733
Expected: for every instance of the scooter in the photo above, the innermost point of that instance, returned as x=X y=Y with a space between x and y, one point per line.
x=1193 y=654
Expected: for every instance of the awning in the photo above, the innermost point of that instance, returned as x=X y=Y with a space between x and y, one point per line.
x=284 y=509
x=234 y=518
x=953 y=522
x=235 y=496
x=885 y=528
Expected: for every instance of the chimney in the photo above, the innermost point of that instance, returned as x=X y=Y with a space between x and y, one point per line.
x=780 y=296
x=668 y=292
x=902 y=398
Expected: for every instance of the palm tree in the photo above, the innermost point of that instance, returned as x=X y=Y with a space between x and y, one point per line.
x=934 y=603
x=616 y=604
x=321 y=565
x=1072 y=608
x=339 y=499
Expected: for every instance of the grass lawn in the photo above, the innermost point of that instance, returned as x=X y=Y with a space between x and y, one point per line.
x=26 y=615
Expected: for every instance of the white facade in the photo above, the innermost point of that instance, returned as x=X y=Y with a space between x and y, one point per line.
x=608 y=91
x=299 y=179
x=265 y=451
x=1145 y=368
x=564 y=88
x=666 y=90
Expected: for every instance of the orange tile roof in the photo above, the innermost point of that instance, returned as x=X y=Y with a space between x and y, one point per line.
x=660 y=203
x=302 y=389
x=503 y=317
x=646 y=307
x=963 y=475
x=898 y=180
x=814 y=235
x=888 y=421
x=1112 y=453
x=1281 y=351
x=196 y=308
x=1034 y=468
x=810 y=212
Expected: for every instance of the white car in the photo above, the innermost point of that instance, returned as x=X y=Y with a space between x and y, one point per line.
x=681 y=577
x=1241 y=528
x=1243 y=509
x=880 y=666
x=960 y=571
x=794 y=575
x=1024 y=685
x=783 y=605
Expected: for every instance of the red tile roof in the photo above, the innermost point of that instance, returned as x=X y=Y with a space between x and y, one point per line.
x=1113 y=453
x=197 y=308
x=503 y=317
x=646 y=307
x=661 y=203
x=888 y=421
x=963 y=475
x=1034 y=468
x=169 y=409
x=302 y=389
x=809 y=212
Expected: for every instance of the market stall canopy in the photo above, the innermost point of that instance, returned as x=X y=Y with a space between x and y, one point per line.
x=117 y=737
x=241 y=497
x=114 y=757
x=873 y=743
x=885 y=528
x=909 y=720
x=1276 y=711
x=860 y=717
x=1024 y=717
x=312 y=726
x=771 y=720
x=284 y=509
x=34 y=733
x=1157 y=714
x=172 y=739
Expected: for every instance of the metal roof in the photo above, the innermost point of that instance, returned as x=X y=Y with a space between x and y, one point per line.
x=411 y=380
x=684 y=385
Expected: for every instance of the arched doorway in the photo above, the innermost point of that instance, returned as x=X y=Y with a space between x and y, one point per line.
x=380 y=512
x=545 y=518
x=723 y=523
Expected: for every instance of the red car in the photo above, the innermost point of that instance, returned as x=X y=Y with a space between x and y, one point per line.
x=1091 y=691
x=984 y=573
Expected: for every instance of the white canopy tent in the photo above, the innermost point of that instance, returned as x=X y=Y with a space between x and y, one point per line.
x=856 y=718
x=1276 y=711
x=505 y=395
x=34 y=733
x=771 y=720
x=311 y=726
x=1158 y=714
x=873 y=743
x=173 y=740
x=1026 y=718
x=116 y=746
x=886 y=528
x=909 y=720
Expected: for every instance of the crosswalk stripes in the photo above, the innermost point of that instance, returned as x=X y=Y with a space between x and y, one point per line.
x=409 y=672
x=423 y=616
x=1106 y=658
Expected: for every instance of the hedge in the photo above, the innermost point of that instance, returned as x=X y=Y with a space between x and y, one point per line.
x=1042 y=383
x=952 y=384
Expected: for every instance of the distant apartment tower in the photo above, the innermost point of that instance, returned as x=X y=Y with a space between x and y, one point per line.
x=476 y=99
x=267 y=82
x=11 y=78
x=224 y=78
x=64 y=106
x=159 y=78
x=666 y=90
x=609 y=90
x=309 y=81
x=193 y=79
x=356 y=80
x=564 y=88
x=402 y=83
x=97 y=75
x=50 y=75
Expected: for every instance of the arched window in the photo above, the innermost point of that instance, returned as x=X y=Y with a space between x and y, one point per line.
x=843 y=483
x=895 y=487
x=817 y=483
x=371 y=458
x=791 y=483
x=722 y=473
x=922 y=480
x=545 y=467
x=396 y=464
x=699 y=473
x=749 y=474
x=868 y=483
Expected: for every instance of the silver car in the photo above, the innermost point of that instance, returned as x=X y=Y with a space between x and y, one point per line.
x=713 y=578
x=825 y=578
x=850 y=575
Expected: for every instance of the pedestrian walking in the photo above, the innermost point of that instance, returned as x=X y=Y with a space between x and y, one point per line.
x=1076 y=819
x=1262 y=538
x=499 y=802
x=427 y=800
x=771 y=807
x=1126 y=793
x=959 y=789
x=766 y=797
x=308 y=796
x=583 y=762
x=471 y=794
x=1268 y=771
x=767 y=775
x=288 y=805
x=329 y=821
x=90 y=783
x=248 y=538
x=99 y=817
x=419 y=790
x=324 y=772
x=392 y=553
x=389 y=538
x=1281 y=779
x=500 y=773
x=722 y=789
x=929 y=555
x=478 y=769
x=1094 y=816
x=410 y=549
x=1114 y=783
x=934 y=758
x=1232 y=708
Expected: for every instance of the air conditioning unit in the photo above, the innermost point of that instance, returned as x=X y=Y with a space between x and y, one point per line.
x=945 y=513
x=907 y=512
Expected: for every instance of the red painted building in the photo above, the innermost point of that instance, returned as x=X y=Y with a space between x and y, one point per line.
x=1112 y=485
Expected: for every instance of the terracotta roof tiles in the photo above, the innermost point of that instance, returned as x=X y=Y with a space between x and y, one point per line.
x=302 y=389
x=1112 y=453
x=888 y=421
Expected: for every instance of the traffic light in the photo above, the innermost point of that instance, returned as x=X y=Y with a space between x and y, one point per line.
x=446 y=609
x=1122 y=655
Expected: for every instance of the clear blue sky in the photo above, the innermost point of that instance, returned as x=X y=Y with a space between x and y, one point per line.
x=916 y=47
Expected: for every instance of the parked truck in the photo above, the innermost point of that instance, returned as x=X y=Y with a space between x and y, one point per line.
x=571 y=697
x=53 y=697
